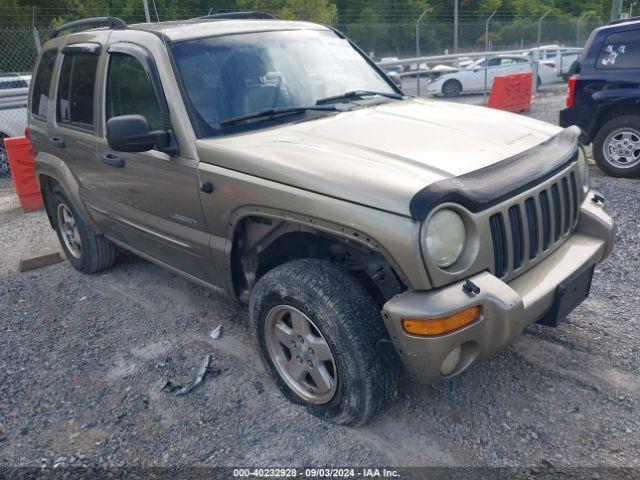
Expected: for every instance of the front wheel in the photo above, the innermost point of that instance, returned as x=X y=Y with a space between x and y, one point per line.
x=451 y=88
x=317 y=330
x=616 y=147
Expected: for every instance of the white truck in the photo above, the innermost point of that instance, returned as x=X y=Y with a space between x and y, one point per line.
x=563 y=58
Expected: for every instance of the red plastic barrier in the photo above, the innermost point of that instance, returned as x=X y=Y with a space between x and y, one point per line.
x=511 y=93
x=24 y=177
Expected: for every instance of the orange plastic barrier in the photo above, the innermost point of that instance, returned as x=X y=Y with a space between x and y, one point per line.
x=24 y=177
x=511 y=93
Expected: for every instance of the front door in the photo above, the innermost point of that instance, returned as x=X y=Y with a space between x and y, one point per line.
x=152 y=197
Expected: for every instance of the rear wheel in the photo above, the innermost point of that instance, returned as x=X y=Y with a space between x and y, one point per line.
x=86 y=251
x=616 y=147
x=4 y=159
x=317 y=330
x=451 y=88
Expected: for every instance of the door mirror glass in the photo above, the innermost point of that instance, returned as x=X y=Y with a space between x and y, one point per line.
x=132 y=133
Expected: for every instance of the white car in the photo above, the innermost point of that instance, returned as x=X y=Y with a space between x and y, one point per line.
x=14 y=92
x=392 y=68
x=451 y=82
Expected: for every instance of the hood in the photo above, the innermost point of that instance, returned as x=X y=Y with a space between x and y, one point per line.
x=379 y=156
x=444 y=69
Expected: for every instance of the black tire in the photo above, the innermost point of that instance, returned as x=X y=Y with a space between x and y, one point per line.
x=349 y=321
x=5 y=171
x=98 y=253
x=452 y=88
x=609 y=167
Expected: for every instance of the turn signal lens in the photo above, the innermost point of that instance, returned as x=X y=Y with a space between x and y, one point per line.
x=438 y=326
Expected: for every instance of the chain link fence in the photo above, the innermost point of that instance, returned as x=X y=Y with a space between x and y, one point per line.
x=18 y=54
x=399 y=40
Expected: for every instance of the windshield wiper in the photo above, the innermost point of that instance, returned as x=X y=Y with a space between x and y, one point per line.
x=272 y=112
x=356 y=94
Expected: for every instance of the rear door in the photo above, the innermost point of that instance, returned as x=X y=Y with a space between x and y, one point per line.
x=73 y=136
x=492 y=66
x=152 y=198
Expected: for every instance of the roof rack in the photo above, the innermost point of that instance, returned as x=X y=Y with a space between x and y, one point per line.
x=624 y=20
x=239 y=16
x=114 y=23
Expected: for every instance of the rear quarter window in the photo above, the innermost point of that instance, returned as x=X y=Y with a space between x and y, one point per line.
x=40 y=101
x=620 y=50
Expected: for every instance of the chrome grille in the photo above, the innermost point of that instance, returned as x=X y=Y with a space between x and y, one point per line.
x=526 y=230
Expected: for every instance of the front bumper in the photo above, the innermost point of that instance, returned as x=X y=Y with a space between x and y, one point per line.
x=507 y=308
x=583 y=117
x=434 y=86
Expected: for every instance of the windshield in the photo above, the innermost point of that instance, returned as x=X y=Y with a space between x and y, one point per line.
x=233 y=76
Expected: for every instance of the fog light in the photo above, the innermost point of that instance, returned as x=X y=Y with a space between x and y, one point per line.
x=438 y=326
x=450 y=363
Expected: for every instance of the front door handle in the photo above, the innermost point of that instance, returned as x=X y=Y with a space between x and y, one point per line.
x=112 y=160
x=57 y=142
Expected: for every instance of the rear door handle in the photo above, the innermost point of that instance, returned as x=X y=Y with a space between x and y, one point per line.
x=112 y=160
x=57 y=142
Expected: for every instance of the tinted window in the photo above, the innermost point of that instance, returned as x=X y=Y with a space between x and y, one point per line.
x=129 y=91
x=75 y=89
x=493 y=62
x=620 y=50
x=40 y=99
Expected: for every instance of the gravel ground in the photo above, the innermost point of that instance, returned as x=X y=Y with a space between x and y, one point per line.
x=83 y=360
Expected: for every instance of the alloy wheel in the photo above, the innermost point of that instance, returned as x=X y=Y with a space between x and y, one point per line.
x=300 y=354
x=621 y=148
x=69 y=230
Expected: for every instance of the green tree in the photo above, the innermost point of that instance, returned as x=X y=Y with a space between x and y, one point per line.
x=320 y=11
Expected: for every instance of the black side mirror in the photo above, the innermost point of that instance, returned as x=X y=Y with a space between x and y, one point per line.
x=132 y=133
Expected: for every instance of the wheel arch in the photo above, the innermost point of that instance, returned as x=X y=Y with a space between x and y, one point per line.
x=47 y=184
x=259 y=240
x=50 y=172
x=609 y=113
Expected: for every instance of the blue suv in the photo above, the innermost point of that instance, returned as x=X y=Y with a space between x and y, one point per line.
x=604 y=97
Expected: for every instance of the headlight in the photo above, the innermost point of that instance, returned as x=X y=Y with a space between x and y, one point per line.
x=445 y=237
x=583 y=169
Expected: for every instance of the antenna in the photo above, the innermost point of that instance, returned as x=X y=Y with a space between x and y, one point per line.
x=157 y=16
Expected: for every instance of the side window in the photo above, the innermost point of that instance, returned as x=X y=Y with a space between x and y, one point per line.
x=620 y=50
x=76 y=89
x=129 y=91
x=40 y=100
